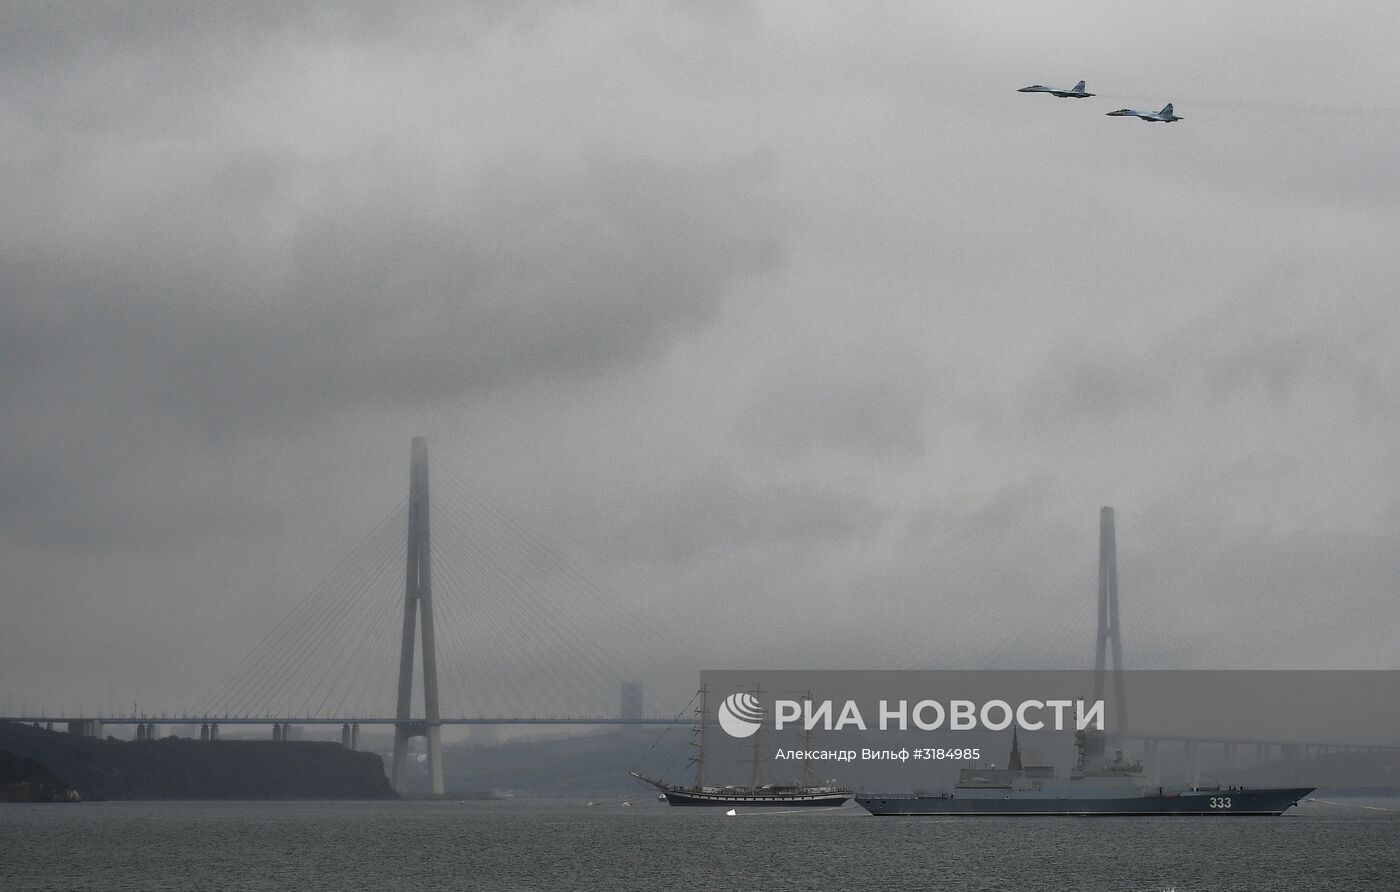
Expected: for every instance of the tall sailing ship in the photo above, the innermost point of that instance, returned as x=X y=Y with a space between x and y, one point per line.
x=805 y=792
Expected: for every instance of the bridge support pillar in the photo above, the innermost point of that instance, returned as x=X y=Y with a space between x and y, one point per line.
x=277 y=731
x=141 y=731
x=204 y=731
x=345 y=735
x=1193 y=762
x=418 y=601
x=1108 y=643
x=355 y=736
x=214 y=731
x=85 y=727
x=1230 y=755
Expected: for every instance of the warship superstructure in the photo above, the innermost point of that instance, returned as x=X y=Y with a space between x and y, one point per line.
x=1096 y=786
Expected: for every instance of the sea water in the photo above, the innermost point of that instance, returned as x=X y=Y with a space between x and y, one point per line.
x=531 y=844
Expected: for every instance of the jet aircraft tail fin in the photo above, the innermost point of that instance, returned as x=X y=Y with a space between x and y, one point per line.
x=1078 y=88
x=1166 y=110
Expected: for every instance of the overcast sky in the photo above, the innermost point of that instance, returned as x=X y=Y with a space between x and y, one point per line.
x=793 y=326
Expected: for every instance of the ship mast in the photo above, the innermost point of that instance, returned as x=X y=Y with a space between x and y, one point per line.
x=698 y=737
x=806 y=778
x=754 y=777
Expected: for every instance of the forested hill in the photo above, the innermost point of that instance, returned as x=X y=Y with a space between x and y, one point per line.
x=175 y=768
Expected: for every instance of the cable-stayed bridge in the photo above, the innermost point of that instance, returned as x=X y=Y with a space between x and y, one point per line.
x=481 y=619
x=451 y=613
x=485 y=619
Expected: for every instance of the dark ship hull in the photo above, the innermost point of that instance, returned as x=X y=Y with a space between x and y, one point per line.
x=763 y=796
x=1098 y=786
x=796 y=798
x=1187 y=802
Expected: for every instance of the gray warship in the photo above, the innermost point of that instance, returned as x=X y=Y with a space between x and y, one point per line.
x=1096 y=786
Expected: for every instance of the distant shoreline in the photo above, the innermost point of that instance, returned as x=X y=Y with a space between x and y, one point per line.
x=181 y=769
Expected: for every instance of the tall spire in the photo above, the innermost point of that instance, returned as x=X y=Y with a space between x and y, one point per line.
x=1014 y=763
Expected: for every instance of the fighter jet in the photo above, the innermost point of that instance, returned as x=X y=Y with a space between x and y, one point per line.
x=1165 y=115
x=1077 y=92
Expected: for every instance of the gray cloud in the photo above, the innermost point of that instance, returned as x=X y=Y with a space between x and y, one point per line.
x=717 y=513
x=1290 y=337
x=800 y=317
x=862 y=410
x=224 y=286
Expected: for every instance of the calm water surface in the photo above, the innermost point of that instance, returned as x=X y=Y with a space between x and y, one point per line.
x=537 y=844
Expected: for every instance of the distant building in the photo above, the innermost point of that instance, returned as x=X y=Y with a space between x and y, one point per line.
x=631 y=700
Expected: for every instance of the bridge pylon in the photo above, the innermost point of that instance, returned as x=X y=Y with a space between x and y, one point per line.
x=1108 y=638
x=418 y=601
